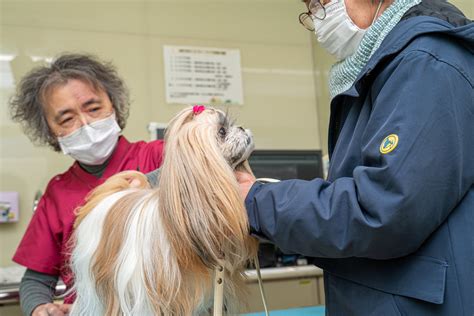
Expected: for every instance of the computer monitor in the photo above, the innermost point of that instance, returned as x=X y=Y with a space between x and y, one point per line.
x=284 y=165
x=287 y=164
x=157 y=130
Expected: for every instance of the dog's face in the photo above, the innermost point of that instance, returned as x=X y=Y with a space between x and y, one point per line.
x=236 y=143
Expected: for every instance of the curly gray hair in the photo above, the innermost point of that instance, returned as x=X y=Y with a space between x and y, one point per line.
x=27 y=105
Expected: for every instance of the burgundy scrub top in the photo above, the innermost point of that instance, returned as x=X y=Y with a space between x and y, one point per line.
x=44 y=247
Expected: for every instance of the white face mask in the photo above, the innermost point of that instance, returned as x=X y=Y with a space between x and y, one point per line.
x=93 y=143
x=336 y=32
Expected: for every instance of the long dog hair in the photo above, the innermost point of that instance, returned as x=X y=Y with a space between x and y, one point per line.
x=144 y=251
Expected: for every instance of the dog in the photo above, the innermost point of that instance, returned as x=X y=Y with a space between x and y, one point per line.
x=153 y=251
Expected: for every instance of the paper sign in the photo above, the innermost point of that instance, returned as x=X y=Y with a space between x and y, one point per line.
x=195 y=75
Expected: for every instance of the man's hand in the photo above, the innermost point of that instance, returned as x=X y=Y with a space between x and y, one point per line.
x=246 y=180
x=135 y=179
x=134 y=182
x=51 y=309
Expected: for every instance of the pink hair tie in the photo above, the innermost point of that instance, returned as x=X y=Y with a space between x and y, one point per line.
x=198 y=109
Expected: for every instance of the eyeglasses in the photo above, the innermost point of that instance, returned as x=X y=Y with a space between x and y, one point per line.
x=316 y=10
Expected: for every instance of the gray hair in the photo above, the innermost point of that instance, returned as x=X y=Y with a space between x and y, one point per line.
x=27 y=105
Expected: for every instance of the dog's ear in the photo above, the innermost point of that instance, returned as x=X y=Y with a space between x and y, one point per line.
x=199 y=197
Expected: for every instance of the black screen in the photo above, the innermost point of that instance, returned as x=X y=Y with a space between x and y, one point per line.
x=284 y=165
x=160 y=133
x=287 y=164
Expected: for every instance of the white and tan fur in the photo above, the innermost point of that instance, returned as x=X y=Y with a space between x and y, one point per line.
x=143 y=251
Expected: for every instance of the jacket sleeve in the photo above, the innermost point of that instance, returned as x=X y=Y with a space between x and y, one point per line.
x=393 y=201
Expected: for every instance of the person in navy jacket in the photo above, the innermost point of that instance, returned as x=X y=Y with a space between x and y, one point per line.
x=392 y=225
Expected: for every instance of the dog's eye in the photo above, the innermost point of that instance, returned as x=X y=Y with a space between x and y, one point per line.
x=222 y=132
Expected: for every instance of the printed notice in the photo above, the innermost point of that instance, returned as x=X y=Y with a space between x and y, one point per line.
x=202 y=75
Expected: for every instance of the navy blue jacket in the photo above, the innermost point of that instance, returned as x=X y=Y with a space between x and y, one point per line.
x=393 y=230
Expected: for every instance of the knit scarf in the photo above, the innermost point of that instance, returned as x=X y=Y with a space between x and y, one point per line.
x=343 y=74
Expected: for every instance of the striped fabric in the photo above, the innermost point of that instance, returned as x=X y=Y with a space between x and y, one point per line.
x=36 y=288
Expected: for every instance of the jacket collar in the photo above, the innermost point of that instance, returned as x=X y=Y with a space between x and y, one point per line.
x=402 y=35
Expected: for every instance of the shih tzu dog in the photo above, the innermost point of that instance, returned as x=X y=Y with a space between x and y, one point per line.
x=145 y=251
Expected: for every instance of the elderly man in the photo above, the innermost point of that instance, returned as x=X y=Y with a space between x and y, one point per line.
x=392 y=225
x=77 y=105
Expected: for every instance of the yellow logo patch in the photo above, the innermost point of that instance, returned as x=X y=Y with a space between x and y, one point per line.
x=389 y=143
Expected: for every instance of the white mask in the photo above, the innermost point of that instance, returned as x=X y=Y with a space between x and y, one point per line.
x=336 y=32
x=92 y=144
